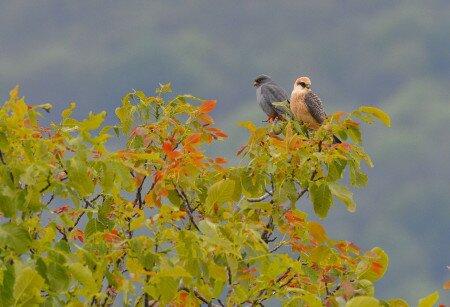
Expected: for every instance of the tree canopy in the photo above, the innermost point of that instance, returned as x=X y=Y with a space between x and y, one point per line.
x=160 y=222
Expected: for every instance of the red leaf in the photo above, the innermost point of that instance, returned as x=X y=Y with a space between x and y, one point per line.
x=207 y=106
x=61 y=209
x=241 y=150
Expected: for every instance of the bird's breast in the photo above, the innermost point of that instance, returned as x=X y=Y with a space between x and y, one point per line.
x=300 y=109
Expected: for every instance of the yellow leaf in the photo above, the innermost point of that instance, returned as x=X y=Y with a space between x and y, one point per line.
x=430 y=300
x=317 y=231
x=66 y=113
x=378 y=113
x=14 y=93
x=397 y=302
x=249 y=125
x=366 y=301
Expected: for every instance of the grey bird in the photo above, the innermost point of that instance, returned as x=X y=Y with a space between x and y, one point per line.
x=267 y=93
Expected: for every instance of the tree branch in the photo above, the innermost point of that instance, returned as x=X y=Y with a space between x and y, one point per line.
x=258 y=199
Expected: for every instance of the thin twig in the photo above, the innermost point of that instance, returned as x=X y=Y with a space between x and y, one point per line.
x=188 y=207
x=279 y=245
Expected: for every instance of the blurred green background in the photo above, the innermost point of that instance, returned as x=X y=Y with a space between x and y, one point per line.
x=391 y=54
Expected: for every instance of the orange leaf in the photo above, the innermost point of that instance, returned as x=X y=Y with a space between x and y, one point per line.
x=220 y=133
x=292 y=218
x=447 y=285
x=376 y=267
x=193 y=138
x=112 y=236
x=167 y=147
x=79 y=234
x=207 y=106
x=205 y=118
x=183 y=296
x=173 y=155
x=221 y=160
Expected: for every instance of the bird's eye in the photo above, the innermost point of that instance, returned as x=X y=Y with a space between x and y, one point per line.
x=302 y=84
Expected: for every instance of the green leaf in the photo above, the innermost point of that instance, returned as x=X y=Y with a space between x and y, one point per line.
x=4 y=144
x=429 y=300
x=94 y=121
x=354 y=133
x=164 y=88
x=253 y=186
x=6 y=288
x=220 y=192
x=357 y=177
x=57 y=277
x=336 y=169
x=344 y=194
x=83 y=275
x=366 y=301
x=380 y=114
x=15 y=237
x=125 y=113
x=93 y=226
x=321 y=198
x=27 y=288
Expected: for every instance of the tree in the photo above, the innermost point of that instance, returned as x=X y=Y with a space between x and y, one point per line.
x=159 y=222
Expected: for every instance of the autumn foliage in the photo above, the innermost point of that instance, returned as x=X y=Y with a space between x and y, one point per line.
x=158 y=222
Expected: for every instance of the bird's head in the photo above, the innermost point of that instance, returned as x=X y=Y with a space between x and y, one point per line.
x=303 y=82
x=261 y=80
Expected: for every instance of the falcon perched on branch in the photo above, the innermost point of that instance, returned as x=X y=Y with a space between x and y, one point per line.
x=306 y=105
x=268 y=92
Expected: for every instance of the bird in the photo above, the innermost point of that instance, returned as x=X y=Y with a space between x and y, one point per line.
x=306 y=106
x=267 y=93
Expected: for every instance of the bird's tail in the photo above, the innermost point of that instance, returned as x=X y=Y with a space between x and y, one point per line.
x=336 y=140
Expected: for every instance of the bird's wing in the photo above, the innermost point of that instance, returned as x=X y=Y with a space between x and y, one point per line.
x=315 y=106
x=274 y=93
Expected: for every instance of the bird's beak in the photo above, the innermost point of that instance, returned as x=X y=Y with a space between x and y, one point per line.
x=255 y=84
